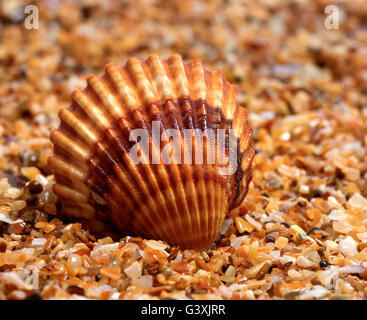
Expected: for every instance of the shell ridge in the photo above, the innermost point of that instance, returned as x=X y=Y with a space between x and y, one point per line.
x=191 y=185
x=104 y=93
x=204 y=173
x=120 y=182
x=144 y=88
x=80 y=128
x=200 y=88
x=216 y=86
x=173 y=120
x=159 y=78
x=179 y=176
x=91 y=109
x=152 y=181
x=170 y=170
x=119 y=79
x=137 y=222
x=194 y=194
x=173 y=173
x=224 y=179
x=66 y=143
x=78 y=210
x=58 y=162
x=179 y=74
x=70 y=193
x=193 y=74
x=119 y=143
x=112 y=157
x=211 y=123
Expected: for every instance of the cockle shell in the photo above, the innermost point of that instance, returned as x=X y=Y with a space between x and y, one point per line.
x=97 y=181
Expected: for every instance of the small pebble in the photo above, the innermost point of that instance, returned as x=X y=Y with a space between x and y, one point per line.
x=271 y=268
x=32 y=202
x=286 y=224
x=243 y=226
x=35 y=187
x=34 y=296
x=3 y=245
x=13 y=214
x=274 y=183
x=21 y=180
x=302 y=203
x=288 y=196
x=75 y=290
x=29 y=159
x=323 y=263
x=318 y=193
x=98 y=277
x=28 y=216
x=40 y=216
x=225 y=267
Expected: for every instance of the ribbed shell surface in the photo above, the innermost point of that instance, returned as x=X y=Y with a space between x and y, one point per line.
x=97 y=181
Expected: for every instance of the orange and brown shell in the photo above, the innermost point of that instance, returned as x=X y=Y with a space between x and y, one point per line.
x=98 y=183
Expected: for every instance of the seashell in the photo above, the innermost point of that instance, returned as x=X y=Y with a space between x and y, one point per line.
x=98 y=179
